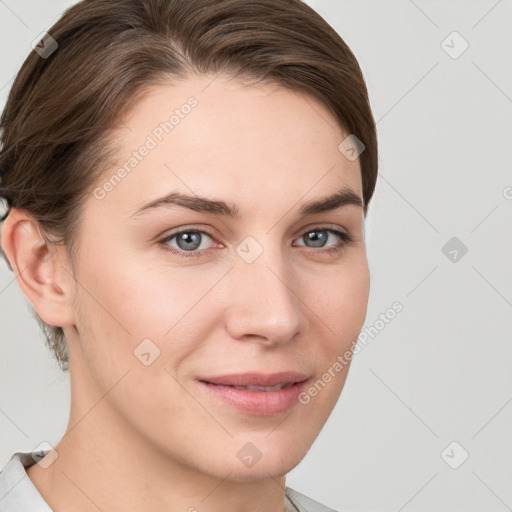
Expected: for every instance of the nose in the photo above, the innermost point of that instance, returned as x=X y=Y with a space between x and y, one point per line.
x=264 y=304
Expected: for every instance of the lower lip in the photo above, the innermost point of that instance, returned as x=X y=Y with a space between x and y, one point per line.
x=261 y=403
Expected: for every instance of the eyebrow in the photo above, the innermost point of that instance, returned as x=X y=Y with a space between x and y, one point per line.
x=343 y=197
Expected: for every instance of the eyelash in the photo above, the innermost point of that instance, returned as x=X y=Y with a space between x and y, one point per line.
x=345 y=237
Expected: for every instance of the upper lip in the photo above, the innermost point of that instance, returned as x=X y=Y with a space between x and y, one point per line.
x=256 y=379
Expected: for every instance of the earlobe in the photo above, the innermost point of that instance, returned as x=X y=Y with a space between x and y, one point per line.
x=37 y=267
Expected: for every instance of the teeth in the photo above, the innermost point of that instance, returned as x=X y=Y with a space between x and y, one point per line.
x=264 y=388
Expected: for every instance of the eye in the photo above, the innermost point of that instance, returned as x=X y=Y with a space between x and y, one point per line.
x=319 y=236
x=189 y=241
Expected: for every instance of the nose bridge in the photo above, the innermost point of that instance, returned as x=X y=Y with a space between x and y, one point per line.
x=264 y=300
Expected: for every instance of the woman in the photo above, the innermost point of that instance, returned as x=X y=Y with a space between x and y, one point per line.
x=187 y=183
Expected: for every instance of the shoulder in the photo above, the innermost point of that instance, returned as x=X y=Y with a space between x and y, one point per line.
x=303 y=503
x=17 y=492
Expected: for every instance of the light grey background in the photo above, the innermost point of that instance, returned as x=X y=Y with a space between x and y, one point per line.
x=440 y=370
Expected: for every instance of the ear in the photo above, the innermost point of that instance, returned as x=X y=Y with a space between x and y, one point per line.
x=41 y=269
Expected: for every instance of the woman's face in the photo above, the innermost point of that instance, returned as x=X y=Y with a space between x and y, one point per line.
x=262 y=291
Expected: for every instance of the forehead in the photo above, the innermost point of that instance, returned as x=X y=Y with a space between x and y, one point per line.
x=215 y=136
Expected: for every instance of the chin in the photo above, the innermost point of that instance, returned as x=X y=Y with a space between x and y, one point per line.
x=274 y=462
x=260 y=471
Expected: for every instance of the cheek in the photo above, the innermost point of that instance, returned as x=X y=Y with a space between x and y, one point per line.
x=121 y=308
x=339 y=314
x=342 y=304
x=131 y=302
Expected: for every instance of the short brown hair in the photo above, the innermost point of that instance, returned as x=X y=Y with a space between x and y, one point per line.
x=62 y=106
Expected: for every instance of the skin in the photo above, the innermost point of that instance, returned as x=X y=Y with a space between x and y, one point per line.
x=149 y=437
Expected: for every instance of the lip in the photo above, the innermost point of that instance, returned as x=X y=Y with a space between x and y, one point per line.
x=256 y=378
x=260 y=403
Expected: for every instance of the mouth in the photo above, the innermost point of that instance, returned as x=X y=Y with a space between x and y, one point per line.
x=277 y=387
x=258 y=381
x=251 y=398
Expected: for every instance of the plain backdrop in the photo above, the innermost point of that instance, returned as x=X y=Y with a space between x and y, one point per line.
x=424 y=420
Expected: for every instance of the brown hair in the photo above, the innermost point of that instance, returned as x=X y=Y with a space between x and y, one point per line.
x=62 y=105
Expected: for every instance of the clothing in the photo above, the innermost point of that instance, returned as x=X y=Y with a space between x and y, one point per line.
x=19 y=494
